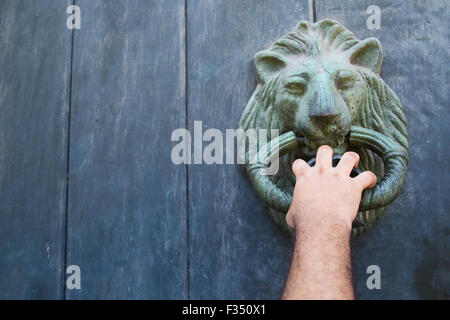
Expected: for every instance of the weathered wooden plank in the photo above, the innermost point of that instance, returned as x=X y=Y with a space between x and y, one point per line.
x=34 y=89
x=127 y=201
x=242 y=254
x=410 y=243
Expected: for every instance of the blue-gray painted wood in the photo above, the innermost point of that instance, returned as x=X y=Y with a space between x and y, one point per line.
x=235 y=249
x=34 y=89
x=411 y=242
x=127 y=201
x=127 y=219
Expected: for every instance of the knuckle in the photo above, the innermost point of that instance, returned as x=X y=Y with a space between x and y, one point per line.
x=301 y=172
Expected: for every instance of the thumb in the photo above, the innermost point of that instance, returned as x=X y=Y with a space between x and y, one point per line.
x=365 y=180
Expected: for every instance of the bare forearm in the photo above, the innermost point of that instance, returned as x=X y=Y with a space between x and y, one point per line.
x=325 y=203
x=321 y=267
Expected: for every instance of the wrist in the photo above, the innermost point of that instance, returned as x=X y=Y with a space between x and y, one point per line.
x=328 y=226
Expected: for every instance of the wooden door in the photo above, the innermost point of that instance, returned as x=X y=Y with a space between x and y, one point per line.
x=86 y=173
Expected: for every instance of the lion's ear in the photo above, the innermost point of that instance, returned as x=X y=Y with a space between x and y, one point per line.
x=268 y=63
x=367 y=53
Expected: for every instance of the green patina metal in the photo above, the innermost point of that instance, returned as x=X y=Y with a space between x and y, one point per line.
x=320 y=85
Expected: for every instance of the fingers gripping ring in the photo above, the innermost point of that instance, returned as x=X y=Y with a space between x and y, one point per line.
x=395 y=160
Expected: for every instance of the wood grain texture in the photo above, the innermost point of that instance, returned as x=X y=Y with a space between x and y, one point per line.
x=236 y=251
x=34 y=80
x=410 y=243
x=133 y=227
x=127 y=201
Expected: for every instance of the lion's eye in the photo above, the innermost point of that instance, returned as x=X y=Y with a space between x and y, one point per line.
x=296 y=86
x=345 y=81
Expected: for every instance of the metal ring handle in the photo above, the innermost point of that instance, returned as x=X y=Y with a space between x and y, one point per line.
x=395 y=159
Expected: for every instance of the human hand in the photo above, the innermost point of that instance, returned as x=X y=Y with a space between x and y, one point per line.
x=326 y=198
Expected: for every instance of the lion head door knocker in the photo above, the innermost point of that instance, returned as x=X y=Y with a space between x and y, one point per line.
x=320 y=85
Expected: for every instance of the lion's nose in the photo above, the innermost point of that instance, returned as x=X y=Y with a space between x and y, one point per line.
x=323 y=105
x=327 y=114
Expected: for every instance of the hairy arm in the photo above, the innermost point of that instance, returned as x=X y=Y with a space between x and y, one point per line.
x=324 y=205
